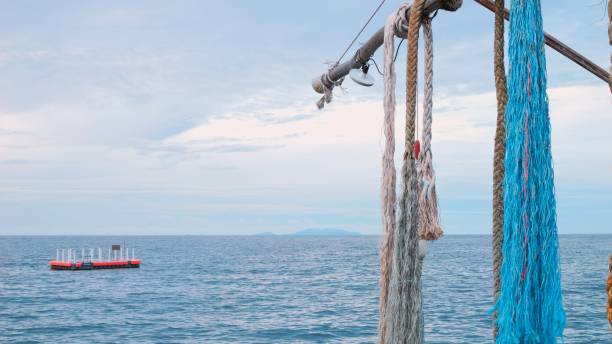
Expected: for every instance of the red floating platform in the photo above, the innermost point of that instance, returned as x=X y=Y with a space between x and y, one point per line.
x=115 y=264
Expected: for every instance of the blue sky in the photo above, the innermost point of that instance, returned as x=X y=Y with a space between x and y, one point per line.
x=197 y=117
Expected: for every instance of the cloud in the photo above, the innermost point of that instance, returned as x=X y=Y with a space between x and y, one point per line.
x=309 y=168
x=164 y=117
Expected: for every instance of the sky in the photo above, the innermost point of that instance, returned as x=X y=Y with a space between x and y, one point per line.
x=197 y=117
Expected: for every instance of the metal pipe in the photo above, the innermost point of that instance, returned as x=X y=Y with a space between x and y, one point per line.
x=560 y=47
x=363 y=54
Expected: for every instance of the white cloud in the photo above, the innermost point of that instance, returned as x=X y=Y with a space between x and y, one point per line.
x=319 y=167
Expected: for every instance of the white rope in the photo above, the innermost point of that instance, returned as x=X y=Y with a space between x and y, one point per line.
x=388 y=184
x=403 y=314
x=401 y=317
x=429 y=223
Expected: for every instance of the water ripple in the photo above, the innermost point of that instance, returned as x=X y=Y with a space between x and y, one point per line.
x=268 y=290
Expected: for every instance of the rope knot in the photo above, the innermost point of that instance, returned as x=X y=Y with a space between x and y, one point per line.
x=400 y=25
x=329 y=85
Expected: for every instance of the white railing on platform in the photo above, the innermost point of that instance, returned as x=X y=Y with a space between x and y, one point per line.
x=70 y=254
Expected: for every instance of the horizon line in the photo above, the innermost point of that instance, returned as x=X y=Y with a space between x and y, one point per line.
x=267 y=235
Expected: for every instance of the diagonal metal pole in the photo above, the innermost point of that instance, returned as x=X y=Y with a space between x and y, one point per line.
x=363 y=54
x=560 y=47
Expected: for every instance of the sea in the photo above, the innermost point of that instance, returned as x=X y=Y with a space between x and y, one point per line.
x=268 y=289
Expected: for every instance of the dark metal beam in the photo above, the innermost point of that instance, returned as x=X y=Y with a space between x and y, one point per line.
x=561 y=47
x=366 y=51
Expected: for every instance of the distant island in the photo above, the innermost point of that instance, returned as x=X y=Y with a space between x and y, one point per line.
x=324 y=232
x=315 y=232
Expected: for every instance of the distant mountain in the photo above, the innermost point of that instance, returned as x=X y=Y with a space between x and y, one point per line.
x=265 y=234
x=324 y=232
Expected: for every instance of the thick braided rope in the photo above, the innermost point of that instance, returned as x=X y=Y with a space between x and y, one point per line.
x=499 y=154
x=429 y=223
x=388 y=198
x=403 y=314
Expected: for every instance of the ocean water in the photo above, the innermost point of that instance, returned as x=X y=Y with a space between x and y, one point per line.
x=282 y=289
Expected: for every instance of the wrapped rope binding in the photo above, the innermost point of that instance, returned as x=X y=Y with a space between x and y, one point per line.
x=328 y=92
x=429 y=222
